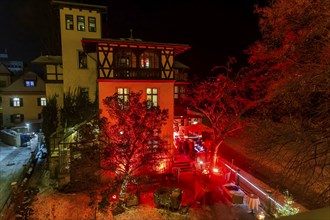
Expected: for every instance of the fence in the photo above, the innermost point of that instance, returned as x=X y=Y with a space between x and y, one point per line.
x=267 y=202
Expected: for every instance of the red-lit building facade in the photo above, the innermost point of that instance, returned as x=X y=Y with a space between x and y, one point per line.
x=102 y=67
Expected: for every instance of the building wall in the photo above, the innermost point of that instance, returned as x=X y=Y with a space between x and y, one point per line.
x=165 y=97
x=31 y=108
x=73 y=76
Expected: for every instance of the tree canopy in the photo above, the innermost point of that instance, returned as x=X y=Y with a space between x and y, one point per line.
x=130 y=136
x=222 y=101
x=290 y=79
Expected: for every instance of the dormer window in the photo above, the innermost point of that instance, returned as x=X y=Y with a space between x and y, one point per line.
x=30 y=83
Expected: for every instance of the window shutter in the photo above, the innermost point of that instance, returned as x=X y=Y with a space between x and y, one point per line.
x=21 y=101
x=12 y=118
x=39 y=101
x=11 y=102
x=22 y=117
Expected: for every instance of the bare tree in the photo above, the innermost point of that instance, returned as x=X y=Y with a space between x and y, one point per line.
x=221 y=100
x=130 y=137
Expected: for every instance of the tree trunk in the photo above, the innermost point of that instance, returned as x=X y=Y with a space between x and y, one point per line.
x=215 y=153
x=123 y=188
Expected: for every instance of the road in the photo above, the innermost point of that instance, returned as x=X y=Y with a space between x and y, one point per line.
x=14 y=163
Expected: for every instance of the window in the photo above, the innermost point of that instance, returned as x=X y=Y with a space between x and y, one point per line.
x=81 y=23
x=29 y=83
x=125 y=58
x=152 y=146
x=179 y=92
x=123 y=61
x=149 y=59
x=69 y=22
x=16 y=102
x=42 y=102
x=82 y=58
x=91 y=24
x=145 y=63
x=152 y=97
x=123 y=97
x=17 y=118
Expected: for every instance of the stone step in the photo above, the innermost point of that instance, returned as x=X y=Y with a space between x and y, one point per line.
x=184 y=166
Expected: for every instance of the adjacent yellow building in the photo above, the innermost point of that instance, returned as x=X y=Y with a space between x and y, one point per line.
x=22 y=101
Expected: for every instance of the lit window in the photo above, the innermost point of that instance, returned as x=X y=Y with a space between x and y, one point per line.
x=82 y=58
x=81 y=23
x=123 y=97
x=30 y=83
x=152 y=97
x=152 y=146
x=179 y=92
x=145 y=62
x=91 y=24
x=16 y=102
x=69 y=22
x=42 y=102
x=149 y=59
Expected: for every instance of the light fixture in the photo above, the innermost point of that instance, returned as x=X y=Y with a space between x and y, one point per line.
x=261 y=216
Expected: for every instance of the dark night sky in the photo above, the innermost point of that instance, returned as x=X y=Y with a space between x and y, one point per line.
x=214 y=29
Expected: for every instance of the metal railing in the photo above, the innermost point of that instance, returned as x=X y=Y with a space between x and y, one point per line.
x=249 y=187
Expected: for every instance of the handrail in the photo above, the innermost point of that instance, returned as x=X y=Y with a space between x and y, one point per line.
x=254 y=186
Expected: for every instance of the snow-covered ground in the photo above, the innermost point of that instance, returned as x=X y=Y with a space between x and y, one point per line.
x=13 y=161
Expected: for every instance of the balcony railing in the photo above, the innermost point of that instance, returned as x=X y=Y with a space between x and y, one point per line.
x=130 y=73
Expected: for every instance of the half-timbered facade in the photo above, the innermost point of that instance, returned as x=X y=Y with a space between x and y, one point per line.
x=129 y=64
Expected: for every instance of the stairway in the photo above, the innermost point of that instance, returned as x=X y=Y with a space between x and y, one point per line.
x=182 y=163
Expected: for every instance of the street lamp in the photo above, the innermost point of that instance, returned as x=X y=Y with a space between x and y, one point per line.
x=28 y=127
